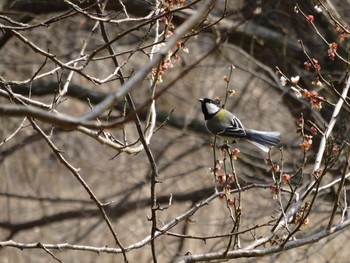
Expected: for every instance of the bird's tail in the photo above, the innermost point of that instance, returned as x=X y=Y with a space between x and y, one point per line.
x=263 y=139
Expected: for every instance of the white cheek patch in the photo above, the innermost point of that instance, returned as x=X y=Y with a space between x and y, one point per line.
x=212 y=108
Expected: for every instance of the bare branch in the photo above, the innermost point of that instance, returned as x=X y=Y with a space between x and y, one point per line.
x=239 y=253
x=329 y=129
x=146 y=69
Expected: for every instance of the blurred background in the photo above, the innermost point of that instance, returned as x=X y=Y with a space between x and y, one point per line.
x=41 y=201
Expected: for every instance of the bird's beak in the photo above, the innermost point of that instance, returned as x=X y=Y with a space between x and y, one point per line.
x=201 y=100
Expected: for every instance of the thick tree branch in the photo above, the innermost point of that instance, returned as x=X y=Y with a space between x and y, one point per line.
x=245 y=253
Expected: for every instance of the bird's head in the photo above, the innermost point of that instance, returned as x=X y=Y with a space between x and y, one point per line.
x=209 y=107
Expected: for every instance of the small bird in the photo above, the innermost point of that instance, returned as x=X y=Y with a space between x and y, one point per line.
x=226 y=125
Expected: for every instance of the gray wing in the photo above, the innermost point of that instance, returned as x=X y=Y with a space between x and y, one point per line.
x=236 y=129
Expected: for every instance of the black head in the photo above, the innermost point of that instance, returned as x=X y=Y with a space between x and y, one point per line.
x=209 y=107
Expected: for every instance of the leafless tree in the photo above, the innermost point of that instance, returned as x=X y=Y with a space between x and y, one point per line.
x=103 y=145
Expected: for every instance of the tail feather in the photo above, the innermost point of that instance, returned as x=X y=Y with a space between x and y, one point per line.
x=263 y=139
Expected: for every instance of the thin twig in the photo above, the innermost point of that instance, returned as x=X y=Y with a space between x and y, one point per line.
x=340 y=187
x=76 y=174
x=329 y=129
x=154 y=179
x=146 y=69
x=49 y=252
x=240 y=253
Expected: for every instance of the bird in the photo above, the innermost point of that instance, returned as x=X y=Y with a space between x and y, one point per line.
x=227 y=126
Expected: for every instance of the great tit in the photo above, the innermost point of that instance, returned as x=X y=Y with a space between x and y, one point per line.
x=226 y=125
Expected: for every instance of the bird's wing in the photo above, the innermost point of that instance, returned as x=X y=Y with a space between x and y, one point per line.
x=235 y=129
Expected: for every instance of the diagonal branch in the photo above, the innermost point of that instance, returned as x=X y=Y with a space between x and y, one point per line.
x=240 y=253
x=328 y=132
x=77 y=175
x=136 y=80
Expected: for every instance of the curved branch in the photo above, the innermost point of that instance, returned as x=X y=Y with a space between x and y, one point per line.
x=136 y=7
x=60 y=120
x=266 y=251
x=146 y=69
